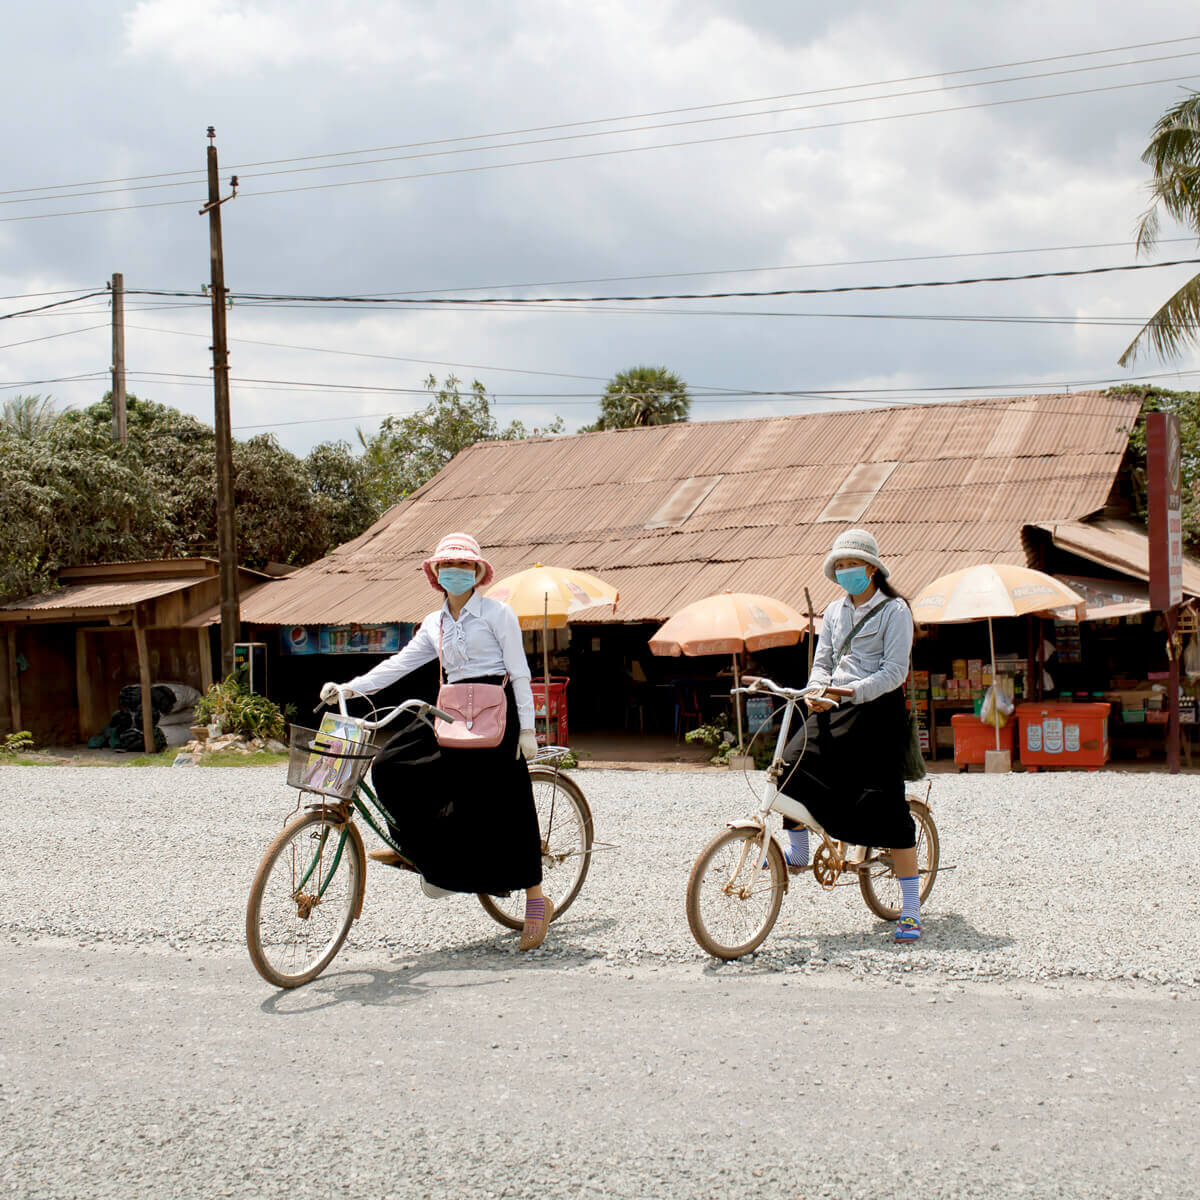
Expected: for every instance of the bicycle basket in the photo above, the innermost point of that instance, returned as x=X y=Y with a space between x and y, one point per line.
x=330 y=760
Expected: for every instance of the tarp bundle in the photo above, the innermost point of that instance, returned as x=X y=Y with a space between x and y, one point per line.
x=124 y=728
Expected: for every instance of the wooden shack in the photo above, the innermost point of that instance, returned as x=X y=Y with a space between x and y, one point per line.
x=66 y=654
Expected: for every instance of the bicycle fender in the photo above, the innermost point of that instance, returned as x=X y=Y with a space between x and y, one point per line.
x=362 y=875
x=754 y=823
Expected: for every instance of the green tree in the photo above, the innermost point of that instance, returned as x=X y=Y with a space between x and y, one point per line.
x=642 y=396
x=409 y=451
x=1174 y=156
x=1185 y=405
x=339 y=482
x=282 y=515
x=28 y=416
x=71 y=495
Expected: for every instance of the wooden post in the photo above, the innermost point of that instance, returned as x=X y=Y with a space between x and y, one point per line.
x=14 y=686
x=89 y=722
x=206 y=671
x=226 y=519
x=118 y=358
x=139 y=636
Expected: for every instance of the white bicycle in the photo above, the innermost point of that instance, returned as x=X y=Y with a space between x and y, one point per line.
x=736 y=885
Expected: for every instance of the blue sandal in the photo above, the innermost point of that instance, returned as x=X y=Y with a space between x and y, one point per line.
x=908 y=929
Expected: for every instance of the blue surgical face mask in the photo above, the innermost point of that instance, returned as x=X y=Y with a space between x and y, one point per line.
x=854 y=579
x=456 y=580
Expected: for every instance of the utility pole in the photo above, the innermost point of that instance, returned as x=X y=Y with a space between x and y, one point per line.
x=226 y=524
x=118 y=357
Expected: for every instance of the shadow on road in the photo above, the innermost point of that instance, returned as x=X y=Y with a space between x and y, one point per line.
x=784 y=949
x=479 y=963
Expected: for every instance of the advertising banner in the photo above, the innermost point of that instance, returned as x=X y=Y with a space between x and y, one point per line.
x=343 y=639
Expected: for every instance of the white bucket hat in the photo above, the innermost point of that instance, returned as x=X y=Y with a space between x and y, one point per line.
x=854 y=543
x=458 y=547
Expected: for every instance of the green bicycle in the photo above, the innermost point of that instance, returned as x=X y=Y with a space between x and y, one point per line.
x=309 y=887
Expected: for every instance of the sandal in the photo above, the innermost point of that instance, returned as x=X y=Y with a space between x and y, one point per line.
x=908 y=929
x=533 y=934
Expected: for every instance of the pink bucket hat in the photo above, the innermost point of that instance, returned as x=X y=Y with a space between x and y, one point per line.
x=458 y=547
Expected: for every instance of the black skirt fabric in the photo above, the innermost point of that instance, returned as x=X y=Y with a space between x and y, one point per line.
x=465 y=818
x=849 y=772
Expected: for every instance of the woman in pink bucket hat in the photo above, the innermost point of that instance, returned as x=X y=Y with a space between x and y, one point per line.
x=464 y=817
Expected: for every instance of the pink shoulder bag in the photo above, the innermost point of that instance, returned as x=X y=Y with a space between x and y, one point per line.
x=479 y=711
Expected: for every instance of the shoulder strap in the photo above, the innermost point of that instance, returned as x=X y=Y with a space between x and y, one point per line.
x=850 y=636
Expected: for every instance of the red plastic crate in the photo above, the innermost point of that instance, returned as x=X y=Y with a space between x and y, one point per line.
x=1055 y=734
x=558 y=709
x=973 y=739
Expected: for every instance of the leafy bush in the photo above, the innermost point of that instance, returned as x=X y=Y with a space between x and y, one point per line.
x=16 y=743
x=720 y=737
x=235 y=709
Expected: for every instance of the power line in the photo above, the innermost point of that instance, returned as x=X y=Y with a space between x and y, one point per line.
x=619 y=150
x=261 y=299
x=198 y=175
x=423 y=154
x=47 y=337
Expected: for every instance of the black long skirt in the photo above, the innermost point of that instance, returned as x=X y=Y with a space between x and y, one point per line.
x=849 y=772
x=465 y=818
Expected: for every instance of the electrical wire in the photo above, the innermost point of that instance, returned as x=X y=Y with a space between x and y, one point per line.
x=258 y=298
x=573 y=137
x=617 y=151
x=199 y=175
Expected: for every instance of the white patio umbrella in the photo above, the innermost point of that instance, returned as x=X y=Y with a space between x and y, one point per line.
x=993 y=590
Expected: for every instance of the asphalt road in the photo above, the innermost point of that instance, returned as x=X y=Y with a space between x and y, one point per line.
x=145 y=1072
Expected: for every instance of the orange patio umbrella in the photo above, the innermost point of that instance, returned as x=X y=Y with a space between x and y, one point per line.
x=729 y=623
x=548 y=598
x=994 y=590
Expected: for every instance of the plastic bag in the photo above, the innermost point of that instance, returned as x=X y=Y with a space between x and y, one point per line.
x=997 y=705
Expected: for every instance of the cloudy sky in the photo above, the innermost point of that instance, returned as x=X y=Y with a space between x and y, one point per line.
x=457 y=149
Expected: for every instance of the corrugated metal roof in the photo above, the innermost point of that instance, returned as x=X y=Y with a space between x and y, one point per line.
x=1120 y=545
x=969 y=476
x=101 y=595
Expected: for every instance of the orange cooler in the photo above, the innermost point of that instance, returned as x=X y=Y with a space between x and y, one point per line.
x=973 y=739
x=1063 y=735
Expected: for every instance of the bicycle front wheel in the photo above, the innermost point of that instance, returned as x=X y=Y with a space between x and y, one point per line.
x=877 y=880
x=732 y=900
x=565 y=822
x=303 y=900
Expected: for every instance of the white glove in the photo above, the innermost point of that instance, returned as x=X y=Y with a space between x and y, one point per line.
x=329 y=692
x=527 y=745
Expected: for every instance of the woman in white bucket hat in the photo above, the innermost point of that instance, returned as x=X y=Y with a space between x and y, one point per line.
x=846 y=765
x=464 y=817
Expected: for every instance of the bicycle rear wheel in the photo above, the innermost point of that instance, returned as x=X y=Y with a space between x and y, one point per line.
x=304 y=899
x=565 y=821
x=732 y=902
x=877 y=880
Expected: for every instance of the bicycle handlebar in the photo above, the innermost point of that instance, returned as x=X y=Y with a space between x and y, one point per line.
x=421 y=708
x=759 y=683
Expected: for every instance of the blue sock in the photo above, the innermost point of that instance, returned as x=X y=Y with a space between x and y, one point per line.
x=910 y=887
x=796 y=854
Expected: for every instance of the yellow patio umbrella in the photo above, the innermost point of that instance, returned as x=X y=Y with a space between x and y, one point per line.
x=993 y=590
x=729 y=623
x=548 y=598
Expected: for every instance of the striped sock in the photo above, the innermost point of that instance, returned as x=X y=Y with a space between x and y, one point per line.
x=910 y=888
x=535 y=910
x=796 y=854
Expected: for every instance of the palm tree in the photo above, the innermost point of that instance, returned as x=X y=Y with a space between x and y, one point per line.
x=28 y=417
x=1174 y=156
x=643 y=396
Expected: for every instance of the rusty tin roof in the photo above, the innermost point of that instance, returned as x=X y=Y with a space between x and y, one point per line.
x=672 y=513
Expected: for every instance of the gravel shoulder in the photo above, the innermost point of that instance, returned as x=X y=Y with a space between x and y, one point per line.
x=1029 y=1046
x=1056 y=876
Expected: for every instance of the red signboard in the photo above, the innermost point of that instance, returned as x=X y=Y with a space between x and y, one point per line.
x=1166 y=514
